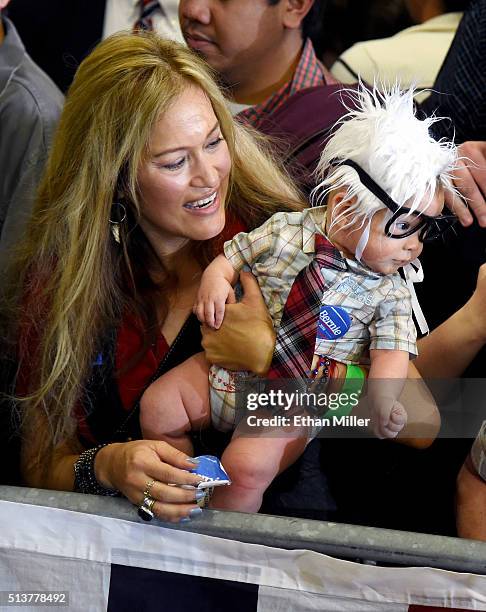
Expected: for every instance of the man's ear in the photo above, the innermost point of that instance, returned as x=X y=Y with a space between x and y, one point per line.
x=295 y=11
x=3 y=4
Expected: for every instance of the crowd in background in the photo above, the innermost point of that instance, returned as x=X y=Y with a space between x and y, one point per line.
x=280 y=64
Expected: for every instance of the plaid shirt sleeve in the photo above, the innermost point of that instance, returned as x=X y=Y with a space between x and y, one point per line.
x=393 y=327
x=478 y=452
x=248 y=247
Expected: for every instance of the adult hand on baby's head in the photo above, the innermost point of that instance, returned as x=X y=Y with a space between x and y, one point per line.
x=246 y=339
x=129 y=466
x=470 y=180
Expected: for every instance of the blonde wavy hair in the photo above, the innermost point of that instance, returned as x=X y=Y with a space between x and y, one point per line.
x=70 y=280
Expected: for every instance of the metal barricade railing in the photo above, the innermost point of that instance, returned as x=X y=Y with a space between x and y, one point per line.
x=351 y=542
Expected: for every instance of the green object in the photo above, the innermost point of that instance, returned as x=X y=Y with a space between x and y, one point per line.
x=353 y=384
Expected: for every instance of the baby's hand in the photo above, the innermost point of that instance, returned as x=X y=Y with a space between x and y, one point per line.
x=214 y=292
x=388 y=417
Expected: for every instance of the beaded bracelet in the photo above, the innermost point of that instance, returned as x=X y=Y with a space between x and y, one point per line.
x=84 y=475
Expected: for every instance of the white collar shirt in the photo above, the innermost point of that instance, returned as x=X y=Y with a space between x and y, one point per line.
x=123 y=14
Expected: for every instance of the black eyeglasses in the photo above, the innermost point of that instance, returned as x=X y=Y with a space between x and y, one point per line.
x=404 y=222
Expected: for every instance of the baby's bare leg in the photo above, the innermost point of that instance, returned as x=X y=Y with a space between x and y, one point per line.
x=252 y=463
x=177 y=403
x=423 y=423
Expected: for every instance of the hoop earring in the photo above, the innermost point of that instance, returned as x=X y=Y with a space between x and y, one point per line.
x=118 y=216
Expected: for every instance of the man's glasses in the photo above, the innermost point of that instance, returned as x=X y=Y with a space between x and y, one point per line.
x=404 y=222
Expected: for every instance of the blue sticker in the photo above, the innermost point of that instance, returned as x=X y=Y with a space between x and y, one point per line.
x=212 y=472
x=334 y=322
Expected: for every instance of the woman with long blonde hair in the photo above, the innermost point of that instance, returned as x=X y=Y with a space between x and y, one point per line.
x=147 y=176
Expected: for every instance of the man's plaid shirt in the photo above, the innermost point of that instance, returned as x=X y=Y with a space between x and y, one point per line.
x=309 y=73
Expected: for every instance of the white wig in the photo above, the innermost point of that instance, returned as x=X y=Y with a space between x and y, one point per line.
x=381 y=134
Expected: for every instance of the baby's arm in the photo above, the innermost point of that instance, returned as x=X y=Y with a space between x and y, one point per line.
x=215 y=290
x=388 y=372
x=218 y=279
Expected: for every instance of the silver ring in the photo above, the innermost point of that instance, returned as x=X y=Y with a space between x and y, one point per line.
x=145 y=511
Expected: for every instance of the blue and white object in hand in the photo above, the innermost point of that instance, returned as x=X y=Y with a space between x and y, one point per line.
x=211 y=471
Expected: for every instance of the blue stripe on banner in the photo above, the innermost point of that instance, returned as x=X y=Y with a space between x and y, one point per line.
x=139 y=589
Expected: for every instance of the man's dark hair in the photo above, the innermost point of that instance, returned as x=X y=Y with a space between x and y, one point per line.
x=312 y=22
x=453 y=6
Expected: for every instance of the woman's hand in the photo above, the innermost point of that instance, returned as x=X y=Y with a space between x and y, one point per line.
x=246 y=339
x=130 y=466
x=470 y=179
x=475 y=308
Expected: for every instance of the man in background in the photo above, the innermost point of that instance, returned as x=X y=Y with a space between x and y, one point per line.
x=413 y=56
x=30 y=105
x=62 y=34
x=262 y=50
x=264 y=56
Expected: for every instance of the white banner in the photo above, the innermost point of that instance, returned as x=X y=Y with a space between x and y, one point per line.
x=51 y=549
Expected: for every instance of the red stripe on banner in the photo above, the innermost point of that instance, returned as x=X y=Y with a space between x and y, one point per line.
x=415 y=608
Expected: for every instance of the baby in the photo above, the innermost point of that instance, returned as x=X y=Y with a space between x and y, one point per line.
x=384 y=178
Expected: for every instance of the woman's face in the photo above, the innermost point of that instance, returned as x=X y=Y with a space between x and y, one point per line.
x=184 y=181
